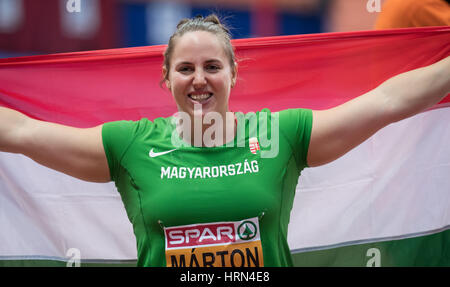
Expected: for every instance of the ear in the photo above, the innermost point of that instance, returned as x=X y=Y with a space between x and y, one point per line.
x=166 y=80
x=234 y=75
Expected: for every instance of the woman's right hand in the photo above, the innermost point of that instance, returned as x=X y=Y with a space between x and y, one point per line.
x=74 y=151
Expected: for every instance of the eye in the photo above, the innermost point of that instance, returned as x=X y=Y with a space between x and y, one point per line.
x=213 y=67
x=185 y=69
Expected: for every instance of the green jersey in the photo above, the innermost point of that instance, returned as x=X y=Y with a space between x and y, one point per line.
x=210 y=206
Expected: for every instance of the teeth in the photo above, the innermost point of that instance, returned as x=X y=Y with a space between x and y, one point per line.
x=200 y=97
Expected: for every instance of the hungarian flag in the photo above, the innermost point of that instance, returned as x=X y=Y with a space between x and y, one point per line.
x=385 y=203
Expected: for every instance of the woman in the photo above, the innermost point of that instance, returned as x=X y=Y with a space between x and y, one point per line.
x=224 y=204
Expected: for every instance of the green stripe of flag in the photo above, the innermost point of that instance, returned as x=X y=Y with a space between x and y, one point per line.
x=429 y=250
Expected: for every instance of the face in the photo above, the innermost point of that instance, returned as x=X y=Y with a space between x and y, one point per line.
x=200 y=73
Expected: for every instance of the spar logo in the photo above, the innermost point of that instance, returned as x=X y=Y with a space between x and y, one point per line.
x=222 y=244
x=247 y=230
x=198 y=235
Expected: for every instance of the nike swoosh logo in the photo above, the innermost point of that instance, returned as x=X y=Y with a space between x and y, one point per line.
x=155 y=154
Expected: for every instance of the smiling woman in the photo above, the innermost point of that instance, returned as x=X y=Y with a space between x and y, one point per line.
x=200 y=69
x=200 y=73
x=198 y=191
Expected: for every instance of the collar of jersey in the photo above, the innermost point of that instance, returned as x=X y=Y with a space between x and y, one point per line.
x=202 y=148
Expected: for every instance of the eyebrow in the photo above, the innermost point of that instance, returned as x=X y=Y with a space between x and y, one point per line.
x=207 y=62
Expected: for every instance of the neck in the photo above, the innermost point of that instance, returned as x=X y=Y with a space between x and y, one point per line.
x=208 y=130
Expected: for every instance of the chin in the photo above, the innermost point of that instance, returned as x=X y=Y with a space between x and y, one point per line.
x=199 y=109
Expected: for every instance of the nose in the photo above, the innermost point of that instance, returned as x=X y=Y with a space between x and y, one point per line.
x=199 y=80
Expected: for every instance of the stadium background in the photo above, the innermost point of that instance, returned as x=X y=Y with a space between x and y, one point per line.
x=30 y=27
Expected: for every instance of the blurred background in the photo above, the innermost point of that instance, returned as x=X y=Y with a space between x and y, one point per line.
x=32 y=27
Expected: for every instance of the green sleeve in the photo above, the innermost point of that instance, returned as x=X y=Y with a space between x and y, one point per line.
x=296 y=126
x=117 y=137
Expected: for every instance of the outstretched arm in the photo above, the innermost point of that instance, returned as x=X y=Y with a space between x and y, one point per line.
x=73 y=151
x=338 y=130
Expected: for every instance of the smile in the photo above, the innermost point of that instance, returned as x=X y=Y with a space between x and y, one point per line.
x=200 y=97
